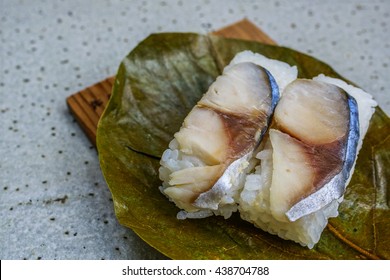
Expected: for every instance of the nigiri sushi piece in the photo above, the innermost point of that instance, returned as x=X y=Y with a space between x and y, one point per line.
x=205 y=166
x=308 y=158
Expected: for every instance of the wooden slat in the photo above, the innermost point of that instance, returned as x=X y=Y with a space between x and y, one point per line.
x=245 y=30
x=88 y=105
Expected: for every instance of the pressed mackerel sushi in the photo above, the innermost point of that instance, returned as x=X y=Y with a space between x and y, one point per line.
x=287 y=179
x=308 y=158
x=206 y=163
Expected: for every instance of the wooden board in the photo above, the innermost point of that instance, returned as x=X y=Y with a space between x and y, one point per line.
x=88 y=104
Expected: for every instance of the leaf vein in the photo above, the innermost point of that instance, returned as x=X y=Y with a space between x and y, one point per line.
x=364 y=252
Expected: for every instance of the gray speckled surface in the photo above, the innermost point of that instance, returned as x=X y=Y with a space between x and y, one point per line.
x=54 y=203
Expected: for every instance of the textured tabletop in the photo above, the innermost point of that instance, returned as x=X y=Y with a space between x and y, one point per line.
x=54 y=202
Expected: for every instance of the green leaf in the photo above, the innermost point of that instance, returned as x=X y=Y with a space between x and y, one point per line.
x=156 y=86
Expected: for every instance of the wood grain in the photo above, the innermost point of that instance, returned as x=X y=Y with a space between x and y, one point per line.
x=88 y=105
